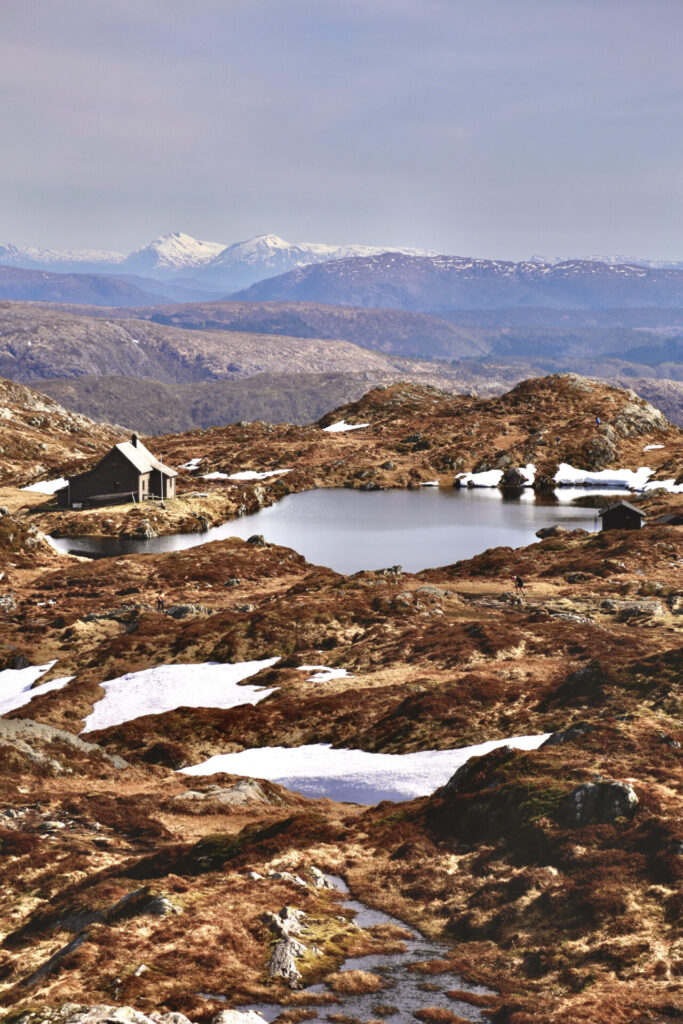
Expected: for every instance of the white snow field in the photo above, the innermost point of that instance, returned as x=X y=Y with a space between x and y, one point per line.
x=17 y=689
x=154 y=691
x=322 y=673
x=341 y=425
x=192 y=464
x=46 y=486
x=633 y=479
x=354 y=775
x=246 y=474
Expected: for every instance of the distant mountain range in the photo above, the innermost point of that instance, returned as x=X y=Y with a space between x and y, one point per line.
x=441 y=283
x=208 y=266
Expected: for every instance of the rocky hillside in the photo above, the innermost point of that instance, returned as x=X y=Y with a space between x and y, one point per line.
x=397 y=281
x=551 y=874
x=36 y=343
x=39 y=438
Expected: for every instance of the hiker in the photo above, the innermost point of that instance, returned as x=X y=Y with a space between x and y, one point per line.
x=557 y=440
x=161 y=602
x=597 y=421
x=519 y=585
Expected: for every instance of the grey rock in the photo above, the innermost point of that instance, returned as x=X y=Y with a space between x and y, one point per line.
x=234 y=581
x=512 y=479
x=7 y=603
x=602 y=801
x=257 y=539
x=160 y=906
x=566 y=735
x=237 y=1017
x=543 y=484
x=146 y=530
x=550 y=531
x=4 y=511
x=182 y=611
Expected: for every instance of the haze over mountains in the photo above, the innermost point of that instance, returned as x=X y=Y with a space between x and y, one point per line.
x=134 y=338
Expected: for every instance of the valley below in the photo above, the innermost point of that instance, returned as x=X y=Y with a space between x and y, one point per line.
x=519 y=855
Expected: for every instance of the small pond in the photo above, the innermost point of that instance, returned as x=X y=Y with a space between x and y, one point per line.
x=349 y=530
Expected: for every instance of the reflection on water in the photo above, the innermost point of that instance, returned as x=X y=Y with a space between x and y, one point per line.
x=404 y=988
x=350 y=530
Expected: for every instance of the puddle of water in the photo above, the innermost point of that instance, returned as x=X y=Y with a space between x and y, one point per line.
x=350 y=530
x=401 y=983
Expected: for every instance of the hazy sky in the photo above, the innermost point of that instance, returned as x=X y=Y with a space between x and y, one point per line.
x=484 y=127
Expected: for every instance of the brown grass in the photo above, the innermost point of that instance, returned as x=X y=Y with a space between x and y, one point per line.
x=354 y=982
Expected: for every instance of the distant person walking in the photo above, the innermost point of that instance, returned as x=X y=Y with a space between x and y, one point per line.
x=161 y=602
x=597 y=421
x=519 y=585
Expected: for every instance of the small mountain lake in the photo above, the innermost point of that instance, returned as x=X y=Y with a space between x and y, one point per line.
x=350 y=530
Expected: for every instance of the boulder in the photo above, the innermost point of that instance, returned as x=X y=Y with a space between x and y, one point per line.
x=550 y=531
x=601 y=801
x=566 y=735
x=237 y=1017
x=512 y=479
x=257 y=539
x=544 y=484
x=145 y=529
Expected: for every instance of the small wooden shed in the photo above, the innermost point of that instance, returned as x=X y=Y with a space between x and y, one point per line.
x=129 y=472
x=621 y=516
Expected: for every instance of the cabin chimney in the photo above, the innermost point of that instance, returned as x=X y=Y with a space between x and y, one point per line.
x=134 y=440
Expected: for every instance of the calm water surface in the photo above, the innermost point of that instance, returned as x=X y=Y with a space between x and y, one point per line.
x=349 y=530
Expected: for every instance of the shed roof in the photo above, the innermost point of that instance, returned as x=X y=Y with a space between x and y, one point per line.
x=622 y=504
x=142 y=459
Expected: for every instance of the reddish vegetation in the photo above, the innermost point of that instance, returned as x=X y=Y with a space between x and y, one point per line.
x=565 y=921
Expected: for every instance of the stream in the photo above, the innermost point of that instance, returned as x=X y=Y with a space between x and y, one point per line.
x=405 y=990
x=350 y=530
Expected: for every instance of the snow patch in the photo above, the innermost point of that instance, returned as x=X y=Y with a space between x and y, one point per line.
x=429 y=483
x=651 y=447
x=47 y=486
x=319 y=770
x=154 y=691
x=625 y=478
x=17 y=689
x=192 y=464
x=341 y=425
x=666 y=485
x=247 y=474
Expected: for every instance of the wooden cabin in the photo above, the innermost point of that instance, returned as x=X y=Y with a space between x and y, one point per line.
x=129 y=472
x=621 y=516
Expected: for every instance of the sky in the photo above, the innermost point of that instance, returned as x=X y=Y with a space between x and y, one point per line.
x=500 y=128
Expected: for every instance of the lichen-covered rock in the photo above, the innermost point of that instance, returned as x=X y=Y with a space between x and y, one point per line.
x=601 y=801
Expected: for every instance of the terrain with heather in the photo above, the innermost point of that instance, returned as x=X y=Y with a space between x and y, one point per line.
x=553 y=874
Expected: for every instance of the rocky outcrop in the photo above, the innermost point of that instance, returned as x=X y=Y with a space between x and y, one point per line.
x=74 y=1013
x=287 y=923
x=601 y=801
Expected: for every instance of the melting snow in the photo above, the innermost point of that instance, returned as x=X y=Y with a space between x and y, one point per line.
x=246 y=474
x=492 y=477
x=429 y=483
x=667 y=485
x=154 y=691
x=651 y=447
x=47 y=486
x=16 y=685
x=634 y=479
x=357 y=775
x=192 y=464
x=341 y=425
x=322 y=673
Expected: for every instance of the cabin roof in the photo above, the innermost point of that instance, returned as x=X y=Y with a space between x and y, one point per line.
x=621 y=504
x=142 y=459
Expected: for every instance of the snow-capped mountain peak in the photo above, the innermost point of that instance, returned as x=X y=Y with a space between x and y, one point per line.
x=172 y=253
